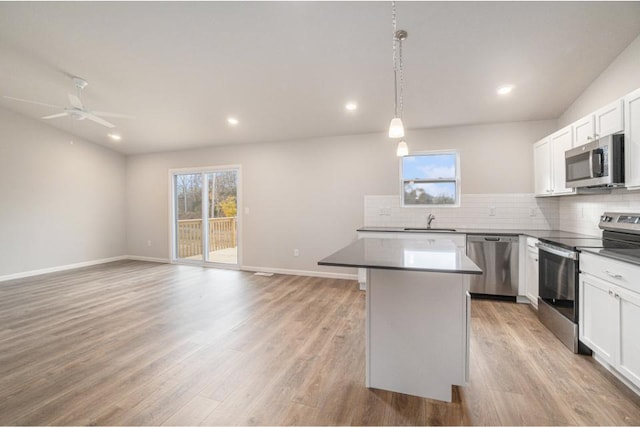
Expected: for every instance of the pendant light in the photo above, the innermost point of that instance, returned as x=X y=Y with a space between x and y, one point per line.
x=396 y=127
x=403 y=149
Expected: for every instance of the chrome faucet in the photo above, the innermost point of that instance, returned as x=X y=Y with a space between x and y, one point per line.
x=430 y=218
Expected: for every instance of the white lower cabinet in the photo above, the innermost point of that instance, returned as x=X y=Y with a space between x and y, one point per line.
x=597 y=316
x=610 y=313
x=629 y=350
x=531 y=271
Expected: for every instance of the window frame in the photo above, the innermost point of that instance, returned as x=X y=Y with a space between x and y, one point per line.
x=456 y=180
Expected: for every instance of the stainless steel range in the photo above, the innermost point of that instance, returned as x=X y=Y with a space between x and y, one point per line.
x=559 y=268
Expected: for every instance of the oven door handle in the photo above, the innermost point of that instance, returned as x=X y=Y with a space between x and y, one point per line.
x=562 y=253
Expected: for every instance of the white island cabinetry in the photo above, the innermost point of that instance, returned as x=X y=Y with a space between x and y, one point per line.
x=417 y=313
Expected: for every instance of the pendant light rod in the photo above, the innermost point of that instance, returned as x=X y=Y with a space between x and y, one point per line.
x=395 y=64
x=396 y=127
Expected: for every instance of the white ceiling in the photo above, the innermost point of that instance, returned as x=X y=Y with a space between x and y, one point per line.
x=286 y=69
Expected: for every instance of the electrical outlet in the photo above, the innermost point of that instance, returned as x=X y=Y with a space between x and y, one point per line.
x=492 y=211
x=296 y=252
x=384 y=211
x=148 y=242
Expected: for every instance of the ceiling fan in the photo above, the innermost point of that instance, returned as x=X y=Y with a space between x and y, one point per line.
x=77 y=110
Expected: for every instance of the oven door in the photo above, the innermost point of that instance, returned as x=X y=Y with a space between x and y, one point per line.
x=558 y=279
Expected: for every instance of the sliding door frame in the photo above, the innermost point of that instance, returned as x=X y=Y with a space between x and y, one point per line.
x=173 y=232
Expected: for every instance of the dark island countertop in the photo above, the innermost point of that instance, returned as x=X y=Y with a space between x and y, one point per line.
x=441 y=256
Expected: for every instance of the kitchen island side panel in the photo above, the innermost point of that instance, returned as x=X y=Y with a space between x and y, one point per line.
x=416 y=332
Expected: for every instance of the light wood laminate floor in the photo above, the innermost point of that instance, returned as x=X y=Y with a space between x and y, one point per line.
x=135 y=343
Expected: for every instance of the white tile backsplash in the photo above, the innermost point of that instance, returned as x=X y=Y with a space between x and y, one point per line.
x=494 y=211
x=576 y=213
x=581 y=214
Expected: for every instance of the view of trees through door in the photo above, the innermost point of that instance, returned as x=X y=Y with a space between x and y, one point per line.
x=206 y=212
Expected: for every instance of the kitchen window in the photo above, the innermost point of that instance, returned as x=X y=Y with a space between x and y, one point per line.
x=430 y=179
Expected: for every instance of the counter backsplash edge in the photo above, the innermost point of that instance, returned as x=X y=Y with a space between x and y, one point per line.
x=578 y=214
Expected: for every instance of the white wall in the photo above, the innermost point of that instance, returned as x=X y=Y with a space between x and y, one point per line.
x=60 y=204
x=580 y=214
x=309 y=194
x=618 y=79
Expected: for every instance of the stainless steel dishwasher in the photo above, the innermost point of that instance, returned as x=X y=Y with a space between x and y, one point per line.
x=497 y=256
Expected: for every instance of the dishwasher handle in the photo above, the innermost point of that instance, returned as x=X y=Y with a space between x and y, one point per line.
x=492 y=238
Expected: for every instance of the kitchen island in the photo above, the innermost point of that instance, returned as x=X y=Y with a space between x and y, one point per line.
x=417 y=313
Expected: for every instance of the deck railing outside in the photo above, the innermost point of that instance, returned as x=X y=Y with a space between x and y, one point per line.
x=222 y=235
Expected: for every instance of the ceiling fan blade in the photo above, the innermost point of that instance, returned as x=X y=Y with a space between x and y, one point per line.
x=75 y=102
x=106 y=114
x=99 y=120
x=54 y=116
x=32 y=102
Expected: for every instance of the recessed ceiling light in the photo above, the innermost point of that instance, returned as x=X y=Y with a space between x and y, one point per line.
x=232 y=121
x=114 y=136
x=351 y=106
x=504 y=90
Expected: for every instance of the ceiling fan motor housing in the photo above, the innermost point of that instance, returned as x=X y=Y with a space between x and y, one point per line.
x=80 y=83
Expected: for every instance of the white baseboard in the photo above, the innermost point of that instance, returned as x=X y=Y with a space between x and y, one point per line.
x=60 y=268
x=167 y=261
x=327 y=275
x=149 y=259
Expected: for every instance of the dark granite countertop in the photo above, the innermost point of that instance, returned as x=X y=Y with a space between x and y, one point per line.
x=441 y=256
x=512 y=232
x=631 y=256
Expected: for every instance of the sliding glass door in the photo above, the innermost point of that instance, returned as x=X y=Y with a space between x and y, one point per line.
x=205 y=216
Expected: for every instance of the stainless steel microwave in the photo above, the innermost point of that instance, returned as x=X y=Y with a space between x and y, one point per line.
x=597 y=164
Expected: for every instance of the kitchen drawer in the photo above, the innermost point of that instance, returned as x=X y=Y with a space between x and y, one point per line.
x=619 y=273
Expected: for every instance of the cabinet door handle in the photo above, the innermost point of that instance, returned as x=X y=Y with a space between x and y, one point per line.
x=610 y=292
x=589 y=138
x=614 y=275
x=596 y=136
x=617 y=296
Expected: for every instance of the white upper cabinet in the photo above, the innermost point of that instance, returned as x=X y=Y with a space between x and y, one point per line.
x=561 y=141
x=605 y=121
x=609 y=119
x=549 y=167
x=542 y=167
x=632 y=140
x=583 y=130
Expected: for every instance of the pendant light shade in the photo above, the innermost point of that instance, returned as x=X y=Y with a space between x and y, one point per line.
x=396 y=129
x=403 y=149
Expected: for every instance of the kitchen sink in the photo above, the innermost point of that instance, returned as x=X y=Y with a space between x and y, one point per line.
x=434 y=230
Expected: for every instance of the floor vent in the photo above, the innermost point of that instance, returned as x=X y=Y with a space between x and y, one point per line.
x=262 y=273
